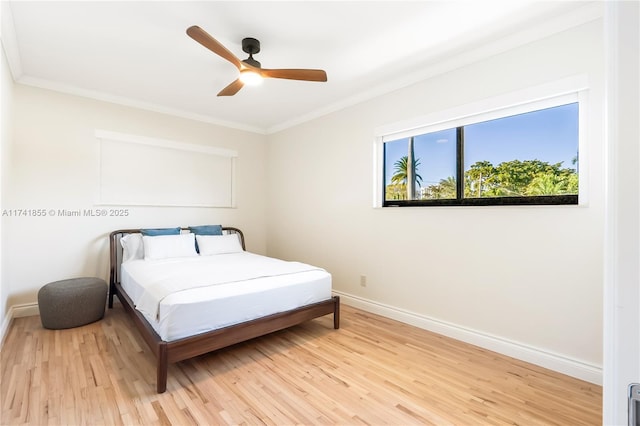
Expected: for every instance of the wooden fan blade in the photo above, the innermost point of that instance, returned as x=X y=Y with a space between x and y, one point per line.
x=232 y=89
x=202 y=37
x=295 y=74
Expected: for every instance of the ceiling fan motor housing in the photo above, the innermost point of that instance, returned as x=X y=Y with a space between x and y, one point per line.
x=251 y=46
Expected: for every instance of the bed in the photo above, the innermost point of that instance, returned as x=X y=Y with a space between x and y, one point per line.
x=181 y=314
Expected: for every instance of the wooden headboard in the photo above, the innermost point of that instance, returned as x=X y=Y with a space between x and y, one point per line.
x=115 y=253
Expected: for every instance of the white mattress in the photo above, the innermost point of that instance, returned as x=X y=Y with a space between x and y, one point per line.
x=193 y=311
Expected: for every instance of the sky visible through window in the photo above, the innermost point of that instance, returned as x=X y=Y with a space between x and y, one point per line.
x=549 y=135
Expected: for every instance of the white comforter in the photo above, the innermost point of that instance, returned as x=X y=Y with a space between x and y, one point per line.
x=169 y=276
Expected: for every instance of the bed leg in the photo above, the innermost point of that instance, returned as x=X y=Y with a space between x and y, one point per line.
x=163 y=366
x=336 y=312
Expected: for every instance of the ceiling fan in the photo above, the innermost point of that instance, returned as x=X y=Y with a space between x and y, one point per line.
x=250 y=70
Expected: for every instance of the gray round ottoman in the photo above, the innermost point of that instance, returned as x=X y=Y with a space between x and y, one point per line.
x=72 y=303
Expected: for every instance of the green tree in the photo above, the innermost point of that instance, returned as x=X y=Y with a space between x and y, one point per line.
x=479 y=179
x=396 y=192
x=572 y=183
x=400 y=169
x=554 y=184
x=515 y=176
x=546 y=184
x=483 y=179
x=519 y=178
x=445 y=189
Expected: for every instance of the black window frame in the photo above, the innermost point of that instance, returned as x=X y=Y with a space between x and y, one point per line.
x=460 y=200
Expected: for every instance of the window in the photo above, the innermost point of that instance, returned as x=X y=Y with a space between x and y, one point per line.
x=527 y=154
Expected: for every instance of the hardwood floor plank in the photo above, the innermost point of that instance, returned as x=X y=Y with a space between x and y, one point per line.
x=372 y=370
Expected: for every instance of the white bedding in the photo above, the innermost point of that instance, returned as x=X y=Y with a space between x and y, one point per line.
x=230 y=299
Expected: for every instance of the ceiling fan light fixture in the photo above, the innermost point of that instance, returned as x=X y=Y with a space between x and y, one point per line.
x=250 y=78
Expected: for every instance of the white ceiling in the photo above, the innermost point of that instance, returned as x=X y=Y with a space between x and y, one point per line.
x=137 y=53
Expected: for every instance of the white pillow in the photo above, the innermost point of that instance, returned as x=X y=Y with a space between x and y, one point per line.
x=218 y=244
x=132 y=247
x=168 y=246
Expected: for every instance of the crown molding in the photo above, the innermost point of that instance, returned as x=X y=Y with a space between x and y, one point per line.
x=9 y=40
x=134 y=103
x=446 y=62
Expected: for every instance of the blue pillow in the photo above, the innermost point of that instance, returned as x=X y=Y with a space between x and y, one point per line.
x=160 y=231
x=206 y=229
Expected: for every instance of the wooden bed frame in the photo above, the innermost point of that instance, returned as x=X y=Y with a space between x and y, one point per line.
x=188 y=347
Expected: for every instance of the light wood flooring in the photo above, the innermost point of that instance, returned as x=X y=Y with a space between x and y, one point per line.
x=371 y=371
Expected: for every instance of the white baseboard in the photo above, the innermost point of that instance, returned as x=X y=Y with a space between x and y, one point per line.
x=560 y=363
x=17 y=311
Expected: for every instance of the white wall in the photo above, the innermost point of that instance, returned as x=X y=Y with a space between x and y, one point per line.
x=54 y=161
x=528 y=276
x=6 y=125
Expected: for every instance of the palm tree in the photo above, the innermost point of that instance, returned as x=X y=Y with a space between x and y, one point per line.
x=448 y=187
x=400 y=175
x=547 y=184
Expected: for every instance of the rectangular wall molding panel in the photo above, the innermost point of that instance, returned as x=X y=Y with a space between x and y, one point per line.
x=141 y=171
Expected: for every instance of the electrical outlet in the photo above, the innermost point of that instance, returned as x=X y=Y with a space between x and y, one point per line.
x=363 y=280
